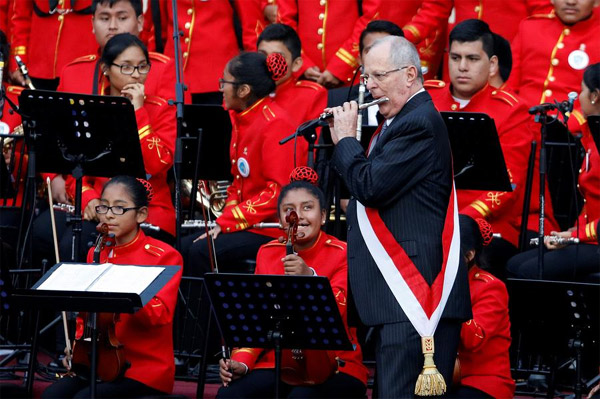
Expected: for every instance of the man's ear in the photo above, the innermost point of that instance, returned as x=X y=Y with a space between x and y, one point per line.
x=140 y=23
x=297 y=64
x=493 y=66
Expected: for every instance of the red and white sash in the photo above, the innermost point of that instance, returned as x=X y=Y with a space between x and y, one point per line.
x=422 y=304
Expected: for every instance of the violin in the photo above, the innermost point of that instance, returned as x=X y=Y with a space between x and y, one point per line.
x=304 y=367
x=111 y=362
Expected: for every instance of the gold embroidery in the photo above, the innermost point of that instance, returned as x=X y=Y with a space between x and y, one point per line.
x=155 y=142
x=494 y=198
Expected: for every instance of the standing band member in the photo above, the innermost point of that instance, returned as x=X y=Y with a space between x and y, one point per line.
x=403 y=259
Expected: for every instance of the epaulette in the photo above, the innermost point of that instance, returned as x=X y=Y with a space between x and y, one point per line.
x=336 y=243
x=253 y=351
x=548 y=15
x=484 y=276
x=154 y=250
x=434 y=84
x=85 y=58
x=309 y=85
x=505 y=96
x=156 y=100
x=159 y=57
x=274 y=243
x=16 y=90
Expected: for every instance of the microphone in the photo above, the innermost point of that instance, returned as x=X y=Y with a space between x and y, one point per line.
x=539 y=109
x=572 y=97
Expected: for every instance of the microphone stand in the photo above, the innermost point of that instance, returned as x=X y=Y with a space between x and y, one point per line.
x=178 y=102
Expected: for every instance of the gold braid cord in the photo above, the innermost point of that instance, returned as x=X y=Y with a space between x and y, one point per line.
x=431 y=381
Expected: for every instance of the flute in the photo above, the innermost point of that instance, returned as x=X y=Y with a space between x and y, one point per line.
x=68 y=208
x=192 y=224
x=556 y=240
x=327 y=115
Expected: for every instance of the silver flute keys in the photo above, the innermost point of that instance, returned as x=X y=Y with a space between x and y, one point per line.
x=327 y=115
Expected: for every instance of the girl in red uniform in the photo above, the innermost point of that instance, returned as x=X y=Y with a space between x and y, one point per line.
x=485 y=339
x=580 y=261
x=259 y=164
x=250 y=371
x=125 y=63
x=147 y=335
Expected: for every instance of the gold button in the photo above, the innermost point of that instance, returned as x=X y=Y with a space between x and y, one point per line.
x=560 y=45
x=548 y=93
x=494 y=93
x=239 y=192
x=237 y=176
x=577 y=185
x=323 y=2
x=555 y=61
x=228 y=229
x=61 y=2
x=584 y=200
x=234 y=145
x=579 y=170
x=552 y=78
x=187 y=40
x=147 y=246
x=320 y=31
x=567 y=31
x=185 y=54
x=190 y=11
x=61 y=17
x=441 y=84
x=453 y=107
x=233 y=161
x=477 y=8
x=476 y=274
x=321 y=16
x=187 y=25
x=320 y=46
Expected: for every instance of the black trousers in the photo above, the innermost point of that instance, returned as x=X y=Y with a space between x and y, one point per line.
x=464 y=392
x=572 y=263
x=261 y=384
x=399 y=357
x=232 y=250
x=75 y=387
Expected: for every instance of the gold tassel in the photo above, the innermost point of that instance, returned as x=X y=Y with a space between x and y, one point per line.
x=431 y=381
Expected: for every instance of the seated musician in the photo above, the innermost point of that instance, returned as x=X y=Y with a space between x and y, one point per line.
x=259 y=164
x=250 y=371
x=123 y=206
x=485 y=339
x=581 y=261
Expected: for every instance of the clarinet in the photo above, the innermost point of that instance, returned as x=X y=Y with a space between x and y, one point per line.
x=555 y=240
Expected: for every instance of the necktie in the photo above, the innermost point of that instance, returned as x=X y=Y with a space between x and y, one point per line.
x=377 y=136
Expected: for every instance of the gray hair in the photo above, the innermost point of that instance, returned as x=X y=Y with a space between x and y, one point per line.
x=402 y=52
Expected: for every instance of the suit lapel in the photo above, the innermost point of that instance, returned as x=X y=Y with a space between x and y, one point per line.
x=413 y=104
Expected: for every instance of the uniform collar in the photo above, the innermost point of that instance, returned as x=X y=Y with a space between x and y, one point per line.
x=131 y=246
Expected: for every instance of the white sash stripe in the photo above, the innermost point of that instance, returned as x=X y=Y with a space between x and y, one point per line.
x=406 y=299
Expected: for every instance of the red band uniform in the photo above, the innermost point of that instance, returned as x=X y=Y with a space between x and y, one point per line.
x=549 y=57
x=209 y=40
x=13 y=120
x=303 y=99
x=46 y=40
x=328 y=258
x=147 y=335
x=513 y=123
x=259 y=165
x=485 y=339
x=329 y=31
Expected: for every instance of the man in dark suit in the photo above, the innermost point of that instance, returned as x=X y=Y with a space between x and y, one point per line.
x=404 y=187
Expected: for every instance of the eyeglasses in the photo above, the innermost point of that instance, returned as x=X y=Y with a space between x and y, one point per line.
x=116 y=210
x=379 y=76
x=130 y=69
x=223 y=81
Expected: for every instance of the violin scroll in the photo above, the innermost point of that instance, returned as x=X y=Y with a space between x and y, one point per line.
x=291 y=218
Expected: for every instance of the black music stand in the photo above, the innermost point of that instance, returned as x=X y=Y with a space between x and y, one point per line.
x=476 y=152
x=277 y=311
x=84 y=301
x=205 y=145
x=81 y=135
x=594 y=124
x=536 y=305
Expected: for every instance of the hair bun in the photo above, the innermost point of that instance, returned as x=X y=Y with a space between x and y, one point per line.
x=276 y=65
x=148 y=187
x=487 y=234
x=304 y=173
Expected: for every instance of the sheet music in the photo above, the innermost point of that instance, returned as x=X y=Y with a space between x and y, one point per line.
x=125 y=278
x=73 y=277
x=105 y=277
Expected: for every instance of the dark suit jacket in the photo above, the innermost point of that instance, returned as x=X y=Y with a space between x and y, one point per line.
x=408 y=178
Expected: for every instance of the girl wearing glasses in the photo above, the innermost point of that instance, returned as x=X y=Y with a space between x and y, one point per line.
x=125 y=63
x=123 y=205
x=259 y=164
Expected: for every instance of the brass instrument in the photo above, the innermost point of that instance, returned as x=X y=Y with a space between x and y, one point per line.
x=7 y=143
x=212 y=197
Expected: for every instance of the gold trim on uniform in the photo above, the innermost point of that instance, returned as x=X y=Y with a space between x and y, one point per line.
x=553 y=63
x=413 y=29
x=239 y=216
x=154 y=250
x=348 y=58
x=481 y=207
x=590 y=231
x=19 y=50
x=268 y=113
x=60 y=27
x=144 y=131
